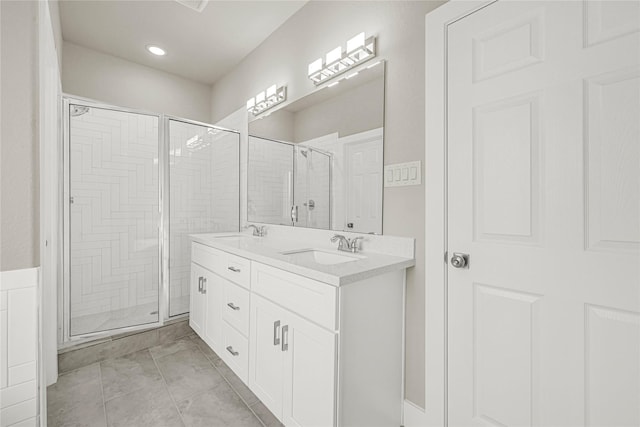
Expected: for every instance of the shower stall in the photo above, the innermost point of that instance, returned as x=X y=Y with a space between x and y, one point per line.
x=135 y=185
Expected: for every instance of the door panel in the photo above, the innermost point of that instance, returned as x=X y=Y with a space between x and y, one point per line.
x=309 y=375
x=544 y=195
x=364 y=182
x=266 y=358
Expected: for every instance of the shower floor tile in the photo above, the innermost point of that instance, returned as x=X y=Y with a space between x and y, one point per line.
x=115 y=319
x=181 y=383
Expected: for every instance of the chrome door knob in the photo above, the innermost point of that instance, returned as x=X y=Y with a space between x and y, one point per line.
x=459 y=260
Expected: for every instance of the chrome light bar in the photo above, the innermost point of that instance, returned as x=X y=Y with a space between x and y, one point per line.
x=267 y=99
x=339 y=61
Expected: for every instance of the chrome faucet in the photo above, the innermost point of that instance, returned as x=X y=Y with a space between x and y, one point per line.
x=257 y=231
x=346 y=244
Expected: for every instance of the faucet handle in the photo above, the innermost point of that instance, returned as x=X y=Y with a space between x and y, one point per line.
x=353 y=245
x=344 y=244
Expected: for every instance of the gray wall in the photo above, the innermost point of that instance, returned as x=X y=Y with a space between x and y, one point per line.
x=312 y=32
x=91 y=74
x=19 y=161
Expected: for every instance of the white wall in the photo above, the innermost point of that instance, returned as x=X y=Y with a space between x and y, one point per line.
x=91 y=74
x=312 y=32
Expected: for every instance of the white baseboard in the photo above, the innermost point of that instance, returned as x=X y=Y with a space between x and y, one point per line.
x=414 y=416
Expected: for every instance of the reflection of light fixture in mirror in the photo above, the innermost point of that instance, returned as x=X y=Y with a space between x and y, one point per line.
x=273 y=96
x=337 y=61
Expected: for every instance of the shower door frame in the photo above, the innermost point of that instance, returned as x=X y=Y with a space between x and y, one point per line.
x=64 y=300
x=166 y=182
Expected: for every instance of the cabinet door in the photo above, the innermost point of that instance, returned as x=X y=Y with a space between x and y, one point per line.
x=309 y=375
x=212 y=290
x=197 y=300
x=266 y=357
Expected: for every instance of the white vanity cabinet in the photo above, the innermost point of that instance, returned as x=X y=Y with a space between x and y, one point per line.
x=316 y=354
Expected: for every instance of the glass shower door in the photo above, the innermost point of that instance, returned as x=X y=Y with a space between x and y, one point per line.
x=204 y=183
x=113 y=214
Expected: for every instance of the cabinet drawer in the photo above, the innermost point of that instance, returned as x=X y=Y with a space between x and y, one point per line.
x=235 y=306
x=206 y=257
x=308 y=298
x=236 y=269
x=236 y=351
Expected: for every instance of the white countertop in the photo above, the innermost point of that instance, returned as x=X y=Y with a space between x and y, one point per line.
x=267 y=250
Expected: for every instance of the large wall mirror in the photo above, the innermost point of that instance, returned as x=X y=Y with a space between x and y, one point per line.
x=318 y=161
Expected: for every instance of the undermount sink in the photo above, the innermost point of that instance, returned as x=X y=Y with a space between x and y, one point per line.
x=322 y=257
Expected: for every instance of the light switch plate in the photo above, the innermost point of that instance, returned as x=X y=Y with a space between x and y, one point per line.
x=402 y=174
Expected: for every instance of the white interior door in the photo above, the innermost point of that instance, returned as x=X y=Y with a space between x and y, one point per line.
x=364 y=182
x=543 y=194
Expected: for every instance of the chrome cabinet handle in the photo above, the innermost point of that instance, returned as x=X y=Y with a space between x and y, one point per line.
x=233 y=306
x=234 y=269
x=200 y=284
x=276 y=338
x=233 y=353
x=204 y=285
x=285 y=335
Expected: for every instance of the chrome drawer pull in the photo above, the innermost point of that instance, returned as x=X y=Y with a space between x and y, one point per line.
x=233 y=353
x=234 y=269
x=232 y=306
x=276 y=338
x=204 y=285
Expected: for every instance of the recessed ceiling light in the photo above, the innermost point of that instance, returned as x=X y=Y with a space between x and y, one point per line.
x=156 y=50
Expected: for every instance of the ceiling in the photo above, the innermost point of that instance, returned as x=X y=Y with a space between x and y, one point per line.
x=201 y=46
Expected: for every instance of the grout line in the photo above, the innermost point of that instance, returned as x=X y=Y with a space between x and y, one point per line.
x=104 y=404
x=166 y=387
x=228 y=382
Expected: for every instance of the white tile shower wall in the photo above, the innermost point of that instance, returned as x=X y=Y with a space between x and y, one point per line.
x=204 y=195
x=270 y=169
x=18 y=347
x=332 y=144
x=114 y=214
x=312 y=183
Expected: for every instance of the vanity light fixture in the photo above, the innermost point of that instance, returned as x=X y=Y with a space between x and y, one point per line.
x=267 y=99
x=338 y=61
x=156 y=50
